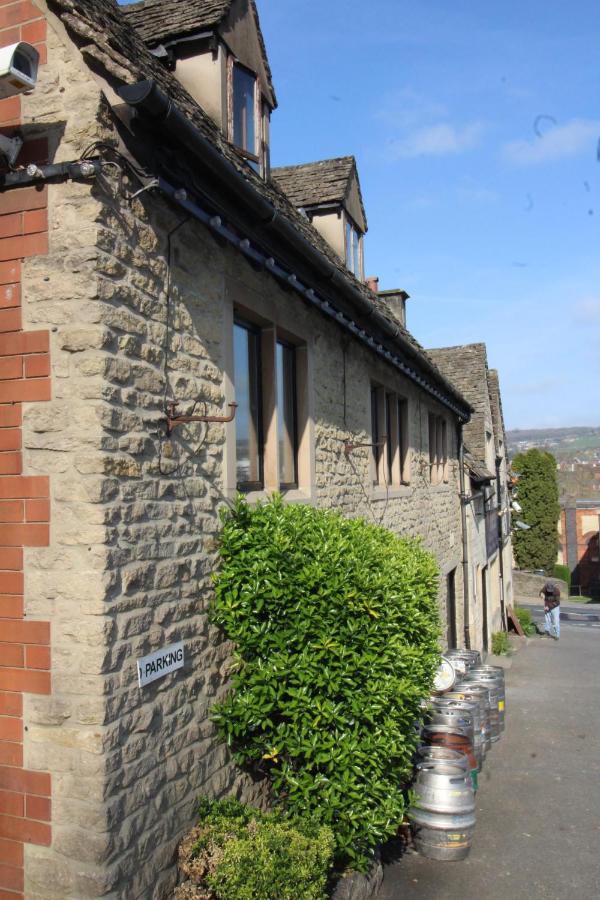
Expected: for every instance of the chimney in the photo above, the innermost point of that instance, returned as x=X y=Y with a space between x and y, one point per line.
x=372 y=283
x=396 y=303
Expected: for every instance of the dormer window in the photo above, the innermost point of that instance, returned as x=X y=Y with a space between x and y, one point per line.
x=328 y=193
x=243 y=110
x=354 y=249
x=217 y=52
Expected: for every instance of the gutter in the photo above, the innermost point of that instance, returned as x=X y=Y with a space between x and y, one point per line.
x=149 y=100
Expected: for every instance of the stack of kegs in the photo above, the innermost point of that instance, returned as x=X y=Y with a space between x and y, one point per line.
x=443 y=817
x=460 y=725
x=478 y=694
x=453 y=724
x=463 y=660
x=492 y=678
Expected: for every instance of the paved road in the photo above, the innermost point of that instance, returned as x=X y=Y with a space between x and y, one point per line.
x=581 y=615
x=538 y=806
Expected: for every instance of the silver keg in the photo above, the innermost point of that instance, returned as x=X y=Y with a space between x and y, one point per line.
x=443 y=816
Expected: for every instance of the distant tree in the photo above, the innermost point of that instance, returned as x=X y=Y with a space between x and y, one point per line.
x=538 y=495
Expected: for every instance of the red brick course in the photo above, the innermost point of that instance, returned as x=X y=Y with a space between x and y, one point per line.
x=25 y=656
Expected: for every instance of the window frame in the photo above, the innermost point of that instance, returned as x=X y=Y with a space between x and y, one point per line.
x=353 y=259
x=287 y=346
x=265 y=318
x=245 y=487
x=390 y=441
x=252 y=156
x=438 y=449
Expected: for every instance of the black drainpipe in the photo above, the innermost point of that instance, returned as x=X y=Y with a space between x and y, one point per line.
x=500 y=542
x=465 y=540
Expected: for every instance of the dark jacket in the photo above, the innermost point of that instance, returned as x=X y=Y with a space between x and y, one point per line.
x=551 y=595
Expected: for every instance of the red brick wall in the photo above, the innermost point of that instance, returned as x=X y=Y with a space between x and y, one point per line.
x=24 y=500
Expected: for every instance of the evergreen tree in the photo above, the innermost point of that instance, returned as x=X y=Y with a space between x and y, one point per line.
x=538 y=495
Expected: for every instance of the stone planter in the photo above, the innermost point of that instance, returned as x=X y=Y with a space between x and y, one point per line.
x=355 y=886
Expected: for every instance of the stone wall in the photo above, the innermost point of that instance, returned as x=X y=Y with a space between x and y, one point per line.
x=139 y=309
x=527 y=586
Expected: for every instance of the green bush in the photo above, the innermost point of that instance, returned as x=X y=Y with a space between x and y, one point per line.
x=336 y=625
x=500 y=645
x=240 y=853
x=564 y=573
x=526 y=620
x=537 y=488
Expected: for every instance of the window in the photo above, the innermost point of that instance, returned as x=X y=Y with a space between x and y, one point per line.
x=243 y=110
x=287 y=435
x=248 y=395
x=438 y=449
x=266 y=141
x=403 y=441
x=353 y=248
x=390 y=434
x=271 y=421
x=390 y=444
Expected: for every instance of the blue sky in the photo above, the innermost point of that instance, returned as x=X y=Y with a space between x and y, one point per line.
x=476 y=129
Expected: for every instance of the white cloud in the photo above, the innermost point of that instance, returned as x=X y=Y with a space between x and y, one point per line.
x=437 y=140
x=571 y=139
x=407 y=108
x=587 y=311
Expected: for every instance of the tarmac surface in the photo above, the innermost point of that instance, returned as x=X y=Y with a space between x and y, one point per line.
x=538 y=805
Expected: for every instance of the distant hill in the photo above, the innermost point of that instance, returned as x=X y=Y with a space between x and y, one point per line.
x=564 y=443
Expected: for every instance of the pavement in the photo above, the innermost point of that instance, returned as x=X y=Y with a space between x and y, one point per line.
x=538 y=805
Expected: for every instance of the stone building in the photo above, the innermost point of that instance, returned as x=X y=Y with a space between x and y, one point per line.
x=489 y=549
x=152 y=273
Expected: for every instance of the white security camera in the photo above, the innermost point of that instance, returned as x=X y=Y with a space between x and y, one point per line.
x=18 y=69
x=522 y=526
x=516 y=506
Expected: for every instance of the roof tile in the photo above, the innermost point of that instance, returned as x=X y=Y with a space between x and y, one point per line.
x=159 y=20
x=314 y=183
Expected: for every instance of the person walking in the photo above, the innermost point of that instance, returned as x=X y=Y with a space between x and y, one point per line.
x=550 y=594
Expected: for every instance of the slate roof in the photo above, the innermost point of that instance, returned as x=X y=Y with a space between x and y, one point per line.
x=325 y=181
x=466 y=367
x=477 y=469
x=496 y=404
x=157 y=21
x=106 y=39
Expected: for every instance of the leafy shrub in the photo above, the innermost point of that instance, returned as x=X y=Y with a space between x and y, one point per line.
x=500 y=644
x=538 y=495
x=563 y=573
x=240 y=853
x=526 y=620
x=336 y=624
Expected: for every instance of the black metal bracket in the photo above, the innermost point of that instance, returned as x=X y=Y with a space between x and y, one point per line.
x=173 y=420
x=349 y=446
x=81 y=170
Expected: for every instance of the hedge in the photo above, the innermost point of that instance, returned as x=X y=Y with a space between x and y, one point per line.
x=335 y=624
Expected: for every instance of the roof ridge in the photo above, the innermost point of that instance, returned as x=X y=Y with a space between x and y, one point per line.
x=317 y=162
